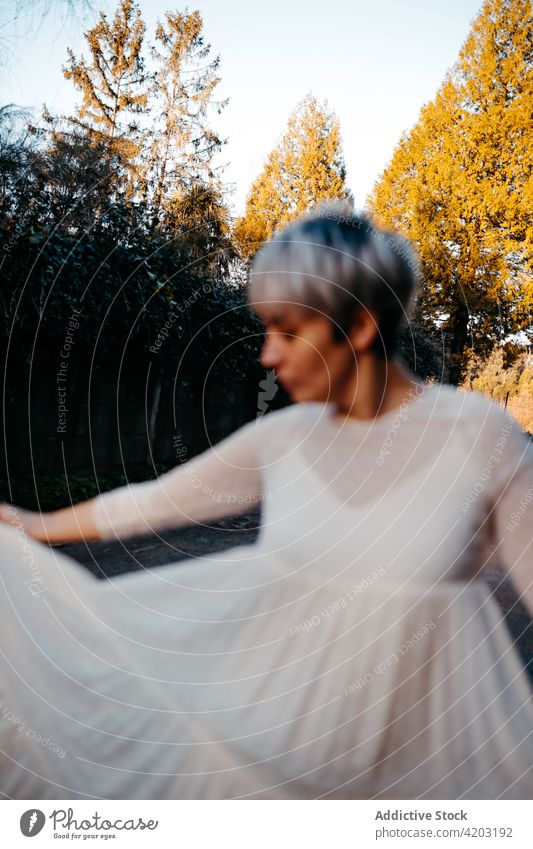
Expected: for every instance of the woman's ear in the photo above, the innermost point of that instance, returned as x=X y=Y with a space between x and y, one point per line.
x=364 y=330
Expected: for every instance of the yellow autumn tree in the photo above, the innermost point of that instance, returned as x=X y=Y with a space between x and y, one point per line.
x=305 y=168
x=459 y=186
x=112 y=82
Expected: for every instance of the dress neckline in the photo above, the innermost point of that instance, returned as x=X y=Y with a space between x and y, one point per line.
x=396 y=493
x=413 y=397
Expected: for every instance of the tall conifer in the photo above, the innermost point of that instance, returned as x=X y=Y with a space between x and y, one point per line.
x=305 y=168
x=183 y=145
x=113 y=84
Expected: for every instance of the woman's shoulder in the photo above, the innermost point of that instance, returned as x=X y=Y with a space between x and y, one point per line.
x=488 y=427
x=441 y=400
x=441 y=404
x=463 y=405
x=459 y=405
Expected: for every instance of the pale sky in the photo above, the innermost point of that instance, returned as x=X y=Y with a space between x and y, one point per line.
x=376 y=61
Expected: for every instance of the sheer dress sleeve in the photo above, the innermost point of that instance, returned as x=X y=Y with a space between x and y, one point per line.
x=226 y=479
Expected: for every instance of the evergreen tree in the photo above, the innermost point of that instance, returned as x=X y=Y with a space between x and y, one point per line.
x=17 y=153
x=200 y=224
x=182 y=143
x=114 y=84
x=305 y=168
x=459 y=186
x=79 y=187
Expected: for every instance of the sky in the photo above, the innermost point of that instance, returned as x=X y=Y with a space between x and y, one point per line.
x=375 y=61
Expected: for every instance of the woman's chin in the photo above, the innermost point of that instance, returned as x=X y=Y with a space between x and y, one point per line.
x=301 y=394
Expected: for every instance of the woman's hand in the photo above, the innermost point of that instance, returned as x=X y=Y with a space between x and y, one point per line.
x=32 y=524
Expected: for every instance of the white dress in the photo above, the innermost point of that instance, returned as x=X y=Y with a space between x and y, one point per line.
x=354 y=651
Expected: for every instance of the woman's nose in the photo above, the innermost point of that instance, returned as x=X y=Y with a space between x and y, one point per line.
x=271 y=352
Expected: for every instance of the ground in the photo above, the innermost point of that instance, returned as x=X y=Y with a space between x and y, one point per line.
x=106 y=559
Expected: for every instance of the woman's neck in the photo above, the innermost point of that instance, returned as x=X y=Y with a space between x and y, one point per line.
x=374 y=388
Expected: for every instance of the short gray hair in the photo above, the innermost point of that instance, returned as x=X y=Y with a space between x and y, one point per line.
x=335 y=261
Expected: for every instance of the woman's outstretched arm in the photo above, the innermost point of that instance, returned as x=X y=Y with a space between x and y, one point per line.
x=224 y=480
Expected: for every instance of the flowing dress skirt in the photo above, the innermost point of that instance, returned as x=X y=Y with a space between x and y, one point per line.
x=231 y=677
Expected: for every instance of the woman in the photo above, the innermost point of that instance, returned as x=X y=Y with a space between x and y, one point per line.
x=354 y=651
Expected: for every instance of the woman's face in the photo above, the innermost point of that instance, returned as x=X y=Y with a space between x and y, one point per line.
x=299 y=345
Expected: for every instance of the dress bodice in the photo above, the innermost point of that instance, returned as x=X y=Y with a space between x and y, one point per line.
x=433 y=491
x=414 y=530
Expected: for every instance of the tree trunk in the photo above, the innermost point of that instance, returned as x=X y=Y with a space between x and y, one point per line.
x=153 y=417
x=457 y=341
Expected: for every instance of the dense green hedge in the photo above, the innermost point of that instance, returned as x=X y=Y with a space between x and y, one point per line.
x=124 y=297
